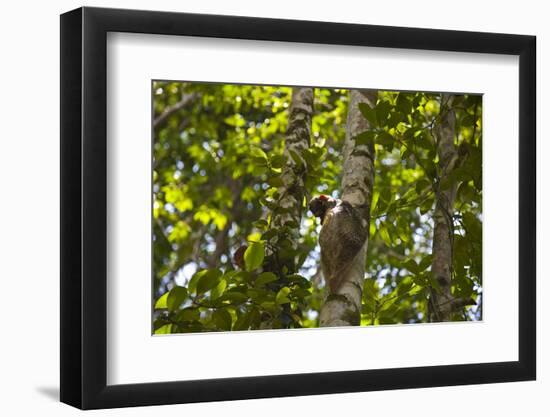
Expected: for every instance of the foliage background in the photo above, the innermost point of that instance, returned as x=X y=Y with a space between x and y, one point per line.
x=218 y=154
x=33 y=388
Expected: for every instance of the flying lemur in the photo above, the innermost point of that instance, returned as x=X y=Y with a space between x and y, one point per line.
x=341 y=238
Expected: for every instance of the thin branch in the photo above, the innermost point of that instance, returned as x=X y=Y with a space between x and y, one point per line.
x=170 y=110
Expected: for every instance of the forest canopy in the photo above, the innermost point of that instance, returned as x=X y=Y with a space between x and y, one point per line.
x=236 y=244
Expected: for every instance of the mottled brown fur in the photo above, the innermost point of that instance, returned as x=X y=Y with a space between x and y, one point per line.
x=342 y=237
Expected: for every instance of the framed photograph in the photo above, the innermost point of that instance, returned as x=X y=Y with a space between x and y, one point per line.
x=257 y=208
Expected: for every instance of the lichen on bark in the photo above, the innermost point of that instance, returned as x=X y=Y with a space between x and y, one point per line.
x=298 y=138
x=442 y=302
x=357 y=188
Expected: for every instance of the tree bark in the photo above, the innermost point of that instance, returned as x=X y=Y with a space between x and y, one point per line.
x=344 y=307
x=288 y=212
x=298 y=136
x=441 y=305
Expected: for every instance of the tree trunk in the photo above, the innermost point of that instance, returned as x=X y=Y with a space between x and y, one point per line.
x=442 y=302
x=291 y=193
x=298 y=136
x=344 y=307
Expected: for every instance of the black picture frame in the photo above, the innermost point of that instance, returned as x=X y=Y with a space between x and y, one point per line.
x=84 y=207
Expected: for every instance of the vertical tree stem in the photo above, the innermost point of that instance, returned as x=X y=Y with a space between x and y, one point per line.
x=344 y=308
x=298 y=136
x=290 y=203
x=441 y=300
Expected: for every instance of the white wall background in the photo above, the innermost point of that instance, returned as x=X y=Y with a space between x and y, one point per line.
x=29 y=209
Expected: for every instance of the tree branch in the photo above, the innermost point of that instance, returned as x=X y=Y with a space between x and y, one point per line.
x=170 y=110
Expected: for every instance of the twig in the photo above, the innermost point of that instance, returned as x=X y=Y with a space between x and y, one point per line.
x=170 y=110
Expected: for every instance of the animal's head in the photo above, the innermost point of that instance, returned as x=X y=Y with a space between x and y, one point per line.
x=320 y=205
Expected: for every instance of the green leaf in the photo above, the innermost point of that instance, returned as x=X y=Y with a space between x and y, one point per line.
x=276 y=181
x=385 y=234
x=258 y=156
x=161 y=302
x=421 y=185
x=409 y=133
x=258 y=170
x=466 y=193
x=426 y=206
x=277 y=161
x=282 y=296
x=269 y=234
x=260 y=224
x=430 y=168
x=382 y=111
x=365 y=138
x=269 y=306
x=209 y=280
x=176 y=297
x=188 y=314
x=473 y=227
x=166 y=329
x=369 y=113
x=235 y=297
x=468 y=120
x=243 y=322
x=404 y=234
x=405 y=286
x=367 y=309
x=265 y=278
x=386 y=140
x=370 y=290
x=218 y=290
x=300 y=280
x=375 y=198
x=222 y=319
x=395 y=119
x=258 y=294
x=258 y=153
x=300 y=293
x=406 y=153
x=403 y=104
x=386 y=195
x=311 y=157
x=254 y=256
x=241 y=276
x=255 y=318
x=192 y=286
x=425 y=262
x=412 y=266
x=421 y=279
x=235 y=120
